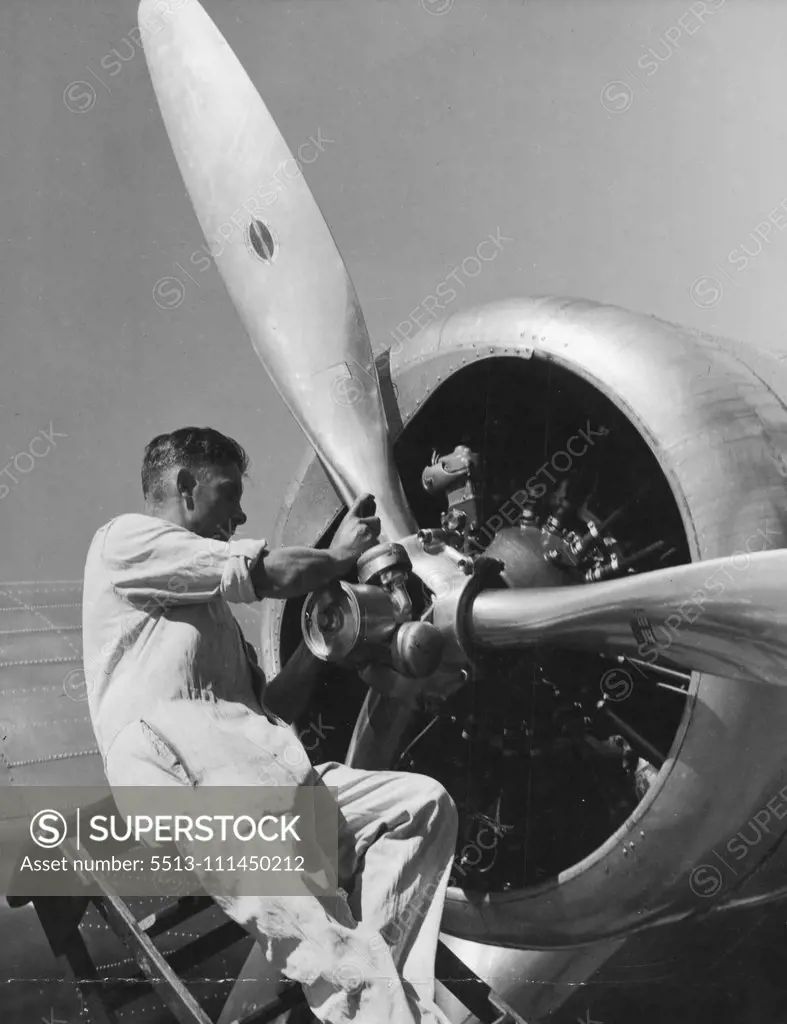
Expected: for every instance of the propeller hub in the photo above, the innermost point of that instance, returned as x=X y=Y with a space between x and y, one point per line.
x=346 y=622
x=534 y=558
x=382 y=559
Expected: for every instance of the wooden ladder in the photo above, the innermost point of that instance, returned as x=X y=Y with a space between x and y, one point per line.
x=159 y=972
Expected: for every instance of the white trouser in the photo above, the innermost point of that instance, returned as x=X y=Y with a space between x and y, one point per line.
x=369 y=958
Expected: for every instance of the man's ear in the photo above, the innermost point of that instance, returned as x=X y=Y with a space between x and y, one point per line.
x=185 y=483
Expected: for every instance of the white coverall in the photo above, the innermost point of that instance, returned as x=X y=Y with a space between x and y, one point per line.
x=172 y=702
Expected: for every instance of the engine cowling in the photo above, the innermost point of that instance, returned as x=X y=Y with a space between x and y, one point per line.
x=693 y=428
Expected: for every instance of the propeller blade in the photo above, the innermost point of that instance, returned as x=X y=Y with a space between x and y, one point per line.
x=275 y=253
x=708 y=616
x=380 y=732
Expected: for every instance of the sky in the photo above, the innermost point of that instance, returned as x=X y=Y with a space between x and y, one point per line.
x=627 y=151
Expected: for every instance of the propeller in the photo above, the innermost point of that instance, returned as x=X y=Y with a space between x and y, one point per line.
x=273 y=249
x=711 y=616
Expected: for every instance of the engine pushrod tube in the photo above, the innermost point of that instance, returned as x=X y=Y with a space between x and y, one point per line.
x=641 y=746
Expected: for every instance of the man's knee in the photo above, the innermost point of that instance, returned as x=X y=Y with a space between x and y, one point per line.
x=434 y=799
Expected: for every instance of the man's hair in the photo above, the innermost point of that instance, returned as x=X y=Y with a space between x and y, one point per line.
x=192 y=448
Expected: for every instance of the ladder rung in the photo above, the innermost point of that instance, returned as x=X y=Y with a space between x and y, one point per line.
x=291 y=996
x=174 y=914
x=472 y=991
x=127 y=990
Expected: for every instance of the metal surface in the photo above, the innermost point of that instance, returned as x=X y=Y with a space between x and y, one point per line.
x=737 y=630
x=417 y=649
x=45 y=733
x=348 y=622
x=383 y=558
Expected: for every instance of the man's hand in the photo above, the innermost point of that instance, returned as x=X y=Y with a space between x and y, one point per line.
x=294 y=571
x=359 y=530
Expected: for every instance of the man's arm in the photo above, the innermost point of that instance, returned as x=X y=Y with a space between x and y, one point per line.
x=293 y=572
x=157 y=565
x=290 y=572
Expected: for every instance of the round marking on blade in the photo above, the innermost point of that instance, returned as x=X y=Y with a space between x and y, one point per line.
x=260 y=241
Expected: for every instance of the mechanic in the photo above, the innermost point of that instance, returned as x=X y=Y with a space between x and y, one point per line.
x=171 y=684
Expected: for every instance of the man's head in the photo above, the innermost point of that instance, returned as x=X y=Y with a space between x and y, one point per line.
x=194 y=477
